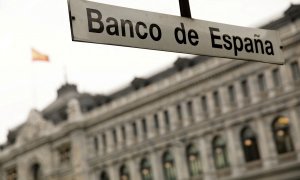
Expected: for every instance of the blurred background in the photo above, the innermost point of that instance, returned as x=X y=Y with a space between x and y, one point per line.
x=101 y=97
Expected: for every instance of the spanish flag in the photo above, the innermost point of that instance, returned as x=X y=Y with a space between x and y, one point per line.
x=37 y=56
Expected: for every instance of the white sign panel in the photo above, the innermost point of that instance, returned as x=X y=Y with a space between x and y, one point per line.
x=100 y=23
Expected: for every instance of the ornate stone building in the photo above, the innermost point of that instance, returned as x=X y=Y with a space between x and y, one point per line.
x=203 y=118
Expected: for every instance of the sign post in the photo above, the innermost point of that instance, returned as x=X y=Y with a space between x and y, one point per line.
x=105 y=24
x=185 y=10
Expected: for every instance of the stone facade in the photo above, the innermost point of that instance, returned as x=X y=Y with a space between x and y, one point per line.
x=204 y=118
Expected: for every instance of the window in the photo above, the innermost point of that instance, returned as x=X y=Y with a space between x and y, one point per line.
x=134 y=129
x=249 y=144
x=204 y=104
x=64 y=153
x=220 y=153
x=261 y=82
x=123 y=132
x=295 y=70
x=144 y=124
x=167 y=119
x=11 y=174
x=156 y=122
x=190 y=109
x=179 y=111
x=96 y=144
x=104 y=142
x=193 y=161
x=36 y=172
x=281 y=134
x=231 y=92
x=104 y=176
x=168 y=166
x=145 y=170
x=276 y=77
x=245 y=88
x=124 y=173
x=216 y=99
x=114 y=133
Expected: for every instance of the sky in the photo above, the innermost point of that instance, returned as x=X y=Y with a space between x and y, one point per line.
x=94 y=68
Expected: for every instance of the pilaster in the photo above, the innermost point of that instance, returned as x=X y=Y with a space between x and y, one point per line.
x=206 y=159
x=224 y=98
x=185 y=115
x=79 y=155
x=234 y=152
x=266 y=144
x=162 y=124
x=174 y=121
x=198 y=112
x=150 y=126
x=295 y=130
x=156 y=165
x=253 y=89
x=180 y=160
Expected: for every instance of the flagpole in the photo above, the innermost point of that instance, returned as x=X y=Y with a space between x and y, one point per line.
x=36 y=56
x=65 y=73
x=34 y=91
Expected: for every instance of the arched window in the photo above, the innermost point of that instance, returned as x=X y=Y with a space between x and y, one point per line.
x=281 y=134
x=124 y=173
x=249 y=143
x=220 y=152
x=193 y=161
x=104 y=176
x=145 y=170
x=36 y=172
x=168 y=166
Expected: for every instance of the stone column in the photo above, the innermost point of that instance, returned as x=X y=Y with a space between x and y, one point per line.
x=225 y=105
x=174 y=121
x=156 y=165
x=239 y=95
x=185 y=115
x=73 y=110
x=120 y=137
x=197 y=109
x=110 y=140
x=91 y=147
x=270 y=83
x=295 y=130
x=141 y=133
x=266 y=144
x=253 y=89
x=211 y=105
x=101 y=150
x=150 y=126
x=178 y=152
x=79 y=155
x=134 y=170
x=287 y=79
x=207 y=159
x=113 y=172
x=235 y=155
x=162 y=124
x=22 y=169
x=129 y=134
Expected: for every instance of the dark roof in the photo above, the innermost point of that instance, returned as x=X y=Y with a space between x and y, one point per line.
x=290 y=15
x=57 y=110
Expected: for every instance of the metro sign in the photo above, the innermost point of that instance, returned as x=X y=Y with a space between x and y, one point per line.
x=105 y=24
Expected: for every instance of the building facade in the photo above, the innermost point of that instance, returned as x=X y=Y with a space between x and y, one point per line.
x=203 y=118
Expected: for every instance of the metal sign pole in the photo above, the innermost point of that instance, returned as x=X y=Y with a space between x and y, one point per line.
x=185 y=10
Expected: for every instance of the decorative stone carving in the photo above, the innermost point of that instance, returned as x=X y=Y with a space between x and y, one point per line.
x=73 y=110
x=35 y=127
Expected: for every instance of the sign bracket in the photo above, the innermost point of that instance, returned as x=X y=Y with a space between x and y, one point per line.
x=185 y=10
